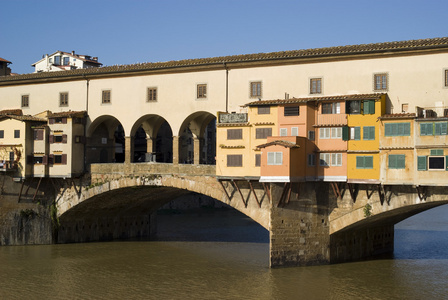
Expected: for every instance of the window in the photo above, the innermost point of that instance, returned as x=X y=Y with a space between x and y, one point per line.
x=57 y=60
x=257 y=160
x=66 y=61
x=294 y=131
x=336 y=159
x=59 y=159
x=437 y=128
x=324 y=133
x=255 y=89
x=364 y=162
x=396 y=161
x=105 y=96
x=63 y=99
x=202 y=91
x=275 y=158
x=234 y=134
x=283 y=131
x=152 y=94
x=397 y=129
x=264 y=110
x=291 y=111
x=433 y=162
x=311 y=135
x=25 y=100
x=2 y=134
x=380 y=82
x=38 y=159
x=436 y=163
x=16 y=134
x=404 y=107
x=368 y=133
x=234 y=160
x=368 y=107
x=353 y=107
x=311 y=160
x=336 y=132
x=38 y=134
x=421 y=163
x=262 y=133
x=315 y=85
x=355 y=133
x=331 y=108
x=324 y=159
x=436 y=152
x=446 y=78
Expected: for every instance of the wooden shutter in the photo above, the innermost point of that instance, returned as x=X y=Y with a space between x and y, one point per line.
x=345 y=135
x=64 y=120
x=421 y=163
x=30 y=159
x=64 y=159
x=44 y=160
x=51 y=159
x=51 y=121
x=257 y=160
x=51 y=139
x=64 y=139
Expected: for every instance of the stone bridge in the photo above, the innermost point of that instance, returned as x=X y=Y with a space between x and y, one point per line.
x=309 y=223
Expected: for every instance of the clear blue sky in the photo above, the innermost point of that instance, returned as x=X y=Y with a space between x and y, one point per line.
x=131 y=31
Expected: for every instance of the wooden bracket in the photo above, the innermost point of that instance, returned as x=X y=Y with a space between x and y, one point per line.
x=381 y=193
x=336 y=190
x=353 y=189
x=224 y=189
x=241 y=194
x=253 y=191
x=369 y=194
x=286 y=195
x=421 y=191
x=267 y=190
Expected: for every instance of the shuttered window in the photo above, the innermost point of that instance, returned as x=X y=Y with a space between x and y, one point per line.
x=275 y=158
x=257 y=160
x=235 y=160
x=294 y=131
x=364 y=162
x=368 y=133
x=368 y=107
x=421 y=163
x=436 y=152
x=397 y=129
x=234 y=134
x=355 y=133
x=264 y=110
x=283 y=131
x=291 y=111
x=426 y=128
x=263 y=133
x=396 y=161
x=440 y=128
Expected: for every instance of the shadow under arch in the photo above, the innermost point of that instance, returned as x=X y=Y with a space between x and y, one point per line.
x=105 y=140
x=152 y=139
x=197 y=139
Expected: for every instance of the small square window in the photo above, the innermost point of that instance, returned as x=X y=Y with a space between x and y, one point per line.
x=380 y=82
x=106 y=96
x=315 y=85
x=25 y=100
x=446 y=78
x=16 y=133
x=2 y=134
x=264 y=110
x=257 y=160
x=255 y=89
x=152 y=94
x=404 y=107
x=202 y=91
x=63 y=99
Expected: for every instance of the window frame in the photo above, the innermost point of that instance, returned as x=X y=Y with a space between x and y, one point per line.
x=235 y=134
x=263 y=133
x=25 y=100
x=201 y=91
x=367 y=132
x=151 y=94
x=381 y=81
x=396 y=161
x=315 y=86
x=106 y=96
x=291 y=111
x=234 y=160
x=275 y=158
x=17 y=133
x=255 y=89
x=264 y=110
x=390 y=132
x=63 y=99
x=363 y=158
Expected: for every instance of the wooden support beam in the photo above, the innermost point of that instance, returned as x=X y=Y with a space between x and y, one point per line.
x=225 y=191
x=21 y=188
x=421 y=191
x=336 y=190
x=253 y=191
x=267 y=191
x=37 y=188
x=381 y=193
x=241 y=194
x=352 y=191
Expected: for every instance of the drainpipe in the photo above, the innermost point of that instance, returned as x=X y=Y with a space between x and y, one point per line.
x=85 y=125
x=227 y=87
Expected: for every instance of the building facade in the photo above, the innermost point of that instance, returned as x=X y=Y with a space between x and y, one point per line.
x=63 y=61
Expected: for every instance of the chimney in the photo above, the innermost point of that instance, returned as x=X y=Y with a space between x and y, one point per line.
x=73 y=52
x=95 y=58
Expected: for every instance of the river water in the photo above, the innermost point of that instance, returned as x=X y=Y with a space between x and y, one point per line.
x=220 y=254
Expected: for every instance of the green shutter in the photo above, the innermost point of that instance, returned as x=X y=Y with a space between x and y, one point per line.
x=357 y=133
x=368 y=133
x=421 y=163
x=365 y=107
x=372 y=106
x=436 y=152
x=392 y=161
x=360 y=162
x=345 y=133
x=368 y=162
x=388 y=129
x=446 y=162
x=401 y=161
x=407 y=129
x=397 y=161
x=440 y=128
x=426 y=128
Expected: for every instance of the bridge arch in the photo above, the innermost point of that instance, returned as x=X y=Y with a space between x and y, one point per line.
x=105 y=140
x=197 y=139
x=134 y=198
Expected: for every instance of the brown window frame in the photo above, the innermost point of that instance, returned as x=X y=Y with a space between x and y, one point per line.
x=264 y=110
x=382 y=84
x=256 y=89
x=235 y=134
x=151 y=94
x=25 y=101
x=63 y=99
x=446 y=78
x=315 y=85
x=234 y=160
x=106 y=96
x=201 y=91
x=263 y=133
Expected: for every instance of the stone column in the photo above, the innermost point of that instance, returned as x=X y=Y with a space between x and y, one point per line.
x=175 y=150
x=299 y=232
x=149 y=147
x=196 y=151
x=129 y=149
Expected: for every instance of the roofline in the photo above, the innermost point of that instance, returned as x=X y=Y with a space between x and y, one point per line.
x=351 y=52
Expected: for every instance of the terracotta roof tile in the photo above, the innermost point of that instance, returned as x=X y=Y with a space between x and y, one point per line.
x=16 y=112
x=389 y=47
x=283 y=143
x=23 y=118
x=69 y=114
x=398 y=116
x=325 y=98
x=4 y=60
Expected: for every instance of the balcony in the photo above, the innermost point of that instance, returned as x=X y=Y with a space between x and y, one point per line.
x=331 y=119
x=432 y=112
x=7 y=165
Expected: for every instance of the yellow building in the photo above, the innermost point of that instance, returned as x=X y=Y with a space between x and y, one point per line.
x=363 y=165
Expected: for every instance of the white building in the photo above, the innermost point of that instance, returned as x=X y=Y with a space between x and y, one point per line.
x=60 y=61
